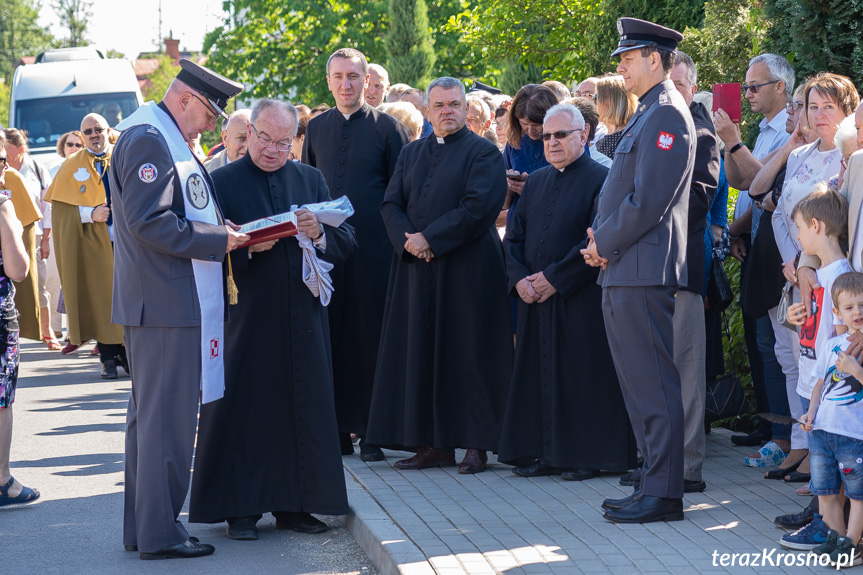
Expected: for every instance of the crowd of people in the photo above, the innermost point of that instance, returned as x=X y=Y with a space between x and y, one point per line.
x=469 y=270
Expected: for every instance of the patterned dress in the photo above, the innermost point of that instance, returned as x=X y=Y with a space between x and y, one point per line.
x=8 y=338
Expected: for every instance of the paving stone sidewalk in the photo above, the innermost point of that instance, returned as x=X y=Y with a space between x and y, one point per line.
x=437 y=521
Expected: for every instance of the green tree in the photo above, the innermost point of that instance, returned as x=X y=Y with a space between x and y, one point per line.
x=410 y=52
x=19 y=34
x=453 y=57
x=73 y=15
x=279 y=48
x=5 y=93
x=602 y=39
x=818 y=35
x=160 y=79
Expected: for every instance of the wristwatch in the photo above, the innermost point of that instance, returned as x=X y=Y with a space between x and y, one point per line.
x=736 y=147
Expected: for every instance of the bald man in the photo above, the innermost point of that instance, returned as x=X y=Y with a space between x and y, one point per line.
x=235 y=139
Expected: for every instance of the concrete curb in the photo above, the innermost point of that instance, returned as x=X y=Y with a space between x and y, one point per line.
x=385 y=543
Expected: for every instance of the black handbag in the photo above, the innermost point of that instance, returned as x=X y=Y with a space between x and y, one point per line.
x=725 y=395
x=719 y=294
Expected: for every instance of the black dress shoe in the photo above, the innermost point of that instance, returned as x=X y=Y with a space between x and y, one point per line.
x=109 y=369
x=647 y=509
x=578 y=474
x=187 y=550
x=370 y=452
x=621 y=503
x=796 y=520
x=299 y=521
x=243 y=528
x=631 y=479
x=130 y=547
x=691 y=486
x=540 y=468
x=757 y=437
x=346 y=444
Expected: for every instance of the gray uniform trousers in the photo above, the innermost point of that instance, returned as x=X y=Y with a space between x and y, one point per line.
x=639 y=323
x=690 y=350
x=160 y=433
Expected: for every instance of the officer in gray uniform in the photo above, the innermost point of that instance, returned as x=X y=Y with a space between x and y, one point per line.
x=156 y=301
x=639 y=239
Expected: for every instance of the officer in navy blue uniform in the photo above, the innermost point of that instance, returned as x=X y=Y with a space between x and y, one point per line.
x=639 y=239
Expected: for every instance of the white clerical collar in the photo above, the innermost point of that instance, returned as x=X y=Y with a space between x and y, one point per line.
x=347 y=116
x=440 y=140
x=561 y=170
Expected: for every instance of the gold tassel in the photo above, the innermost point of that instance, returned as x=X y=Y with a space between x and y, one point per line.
x=233 y=292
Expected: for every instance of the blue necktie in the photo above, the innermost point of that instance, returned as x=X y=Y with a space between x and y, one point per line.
x=100 y=167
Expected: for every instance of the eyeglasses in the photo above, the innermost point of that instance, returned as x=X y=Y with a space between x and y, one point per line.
x=585 y=95
x=754 y=87
x=97 y=129
x=559 y=135
x=210 y=114
x=71 y=145
x=265 y=141
x=792 y=107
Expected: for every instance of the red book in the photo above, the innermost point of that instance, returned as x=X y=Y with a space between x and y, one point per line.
x=727 y=97
x=270 y=228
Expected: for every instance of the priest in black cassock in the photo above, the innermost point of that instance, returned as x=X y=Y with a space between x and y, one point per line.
x=446 y=351
x=356 y=147
x=271 y=443
x=565 y=413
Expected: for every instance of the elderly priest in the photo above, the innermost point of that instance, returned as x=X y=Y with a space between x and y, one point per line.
x=271 y=444
x=446 y=352
x=562 y=359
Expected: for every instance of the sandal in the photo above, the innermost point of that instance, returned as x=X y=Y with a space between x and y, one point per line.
x=770 y=454
x=798 y=477
x=781 y=472
x=26 y=496
x=52 y=343
x=803 y=491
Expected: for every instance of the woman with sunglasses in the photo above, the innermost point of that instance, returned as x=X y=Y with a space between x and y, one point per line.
x=68 y=144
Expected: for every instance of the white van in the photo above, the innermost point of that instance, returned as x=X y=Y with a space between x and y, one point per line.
x=50 y=97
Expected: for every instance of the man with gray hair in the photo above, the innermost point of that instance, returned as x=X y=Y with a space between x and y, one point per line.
x=270 y=445
x=446 y=351
x=378 y=86
x=234 y=138
x=417 y=97
x=558 y=294
x=768 y=87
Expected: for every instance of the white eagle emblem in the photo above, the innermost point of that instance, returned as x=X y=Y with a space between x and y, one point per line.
x=196 y=191
x=665 y=141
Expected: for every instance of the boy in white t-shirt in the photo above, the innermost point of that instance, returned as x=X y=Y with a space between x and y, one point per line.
x=821 y=219
x=835 y=420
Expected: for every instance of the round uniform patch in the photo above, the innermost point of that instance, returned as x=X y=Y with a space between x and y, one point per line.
x=148 y=173
x=196 y=191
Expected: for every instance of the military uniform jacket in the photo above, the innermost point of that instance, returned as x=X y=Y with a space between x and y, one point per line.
x=641 y=220
x=154 y=243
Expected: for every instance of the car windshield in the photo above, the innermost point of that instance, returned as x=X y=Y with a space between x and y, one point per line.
x=46 y=119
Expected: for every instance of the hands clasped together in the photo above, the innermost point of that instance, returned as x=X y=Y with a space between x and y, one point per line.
x=535 y=288
x=417 y=246
x=591 y=253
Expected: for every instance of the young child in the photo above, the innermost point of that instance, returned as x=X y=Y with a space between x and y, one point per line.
x=835 y=423
x=822 y=222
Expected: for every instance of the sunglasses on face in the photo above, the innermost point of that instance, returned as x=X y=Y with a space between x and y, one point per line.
x=559 y=135
x=97 y=129
x=73 y=145
x=792 y=107
x=754 y=87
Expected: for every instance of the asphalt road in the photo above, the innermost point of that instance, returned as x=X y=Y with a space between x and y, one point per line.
x=67 y=442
